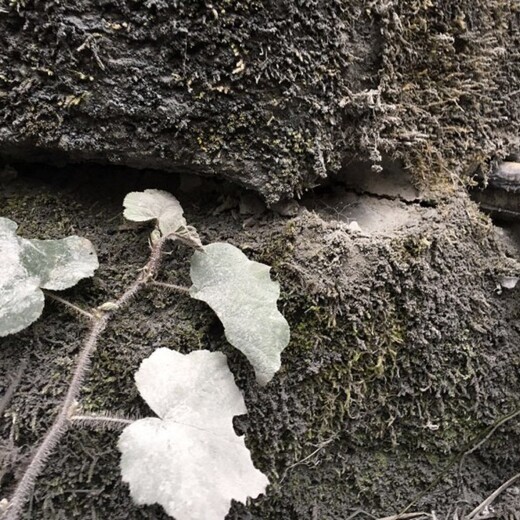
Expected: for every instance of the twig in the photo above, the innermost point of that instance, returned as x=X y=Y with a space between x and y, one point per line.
x=318 y=449
x=25 y=485
x=358 y=512
x=489 y=500
x=90 y=43
x=408 y=516
x=457 y=458
x=68 y=304
x=11 y=389
x=172 y=286
x=488 y=435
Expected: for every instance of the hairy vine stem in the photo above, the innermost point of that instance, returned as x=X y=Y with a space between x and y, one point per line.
x=11 y=389
x=102 y=421
x=63 y=301
x=99 y=322
x=173 y=287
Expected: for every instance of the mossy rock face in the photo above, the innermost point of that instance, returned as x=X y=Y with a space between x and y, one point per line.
x=272 y=95
x=403 y=355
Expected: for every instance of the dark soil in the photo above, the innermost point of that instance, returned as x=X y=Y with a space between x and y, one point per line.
x=403 y=354
x=272 y=95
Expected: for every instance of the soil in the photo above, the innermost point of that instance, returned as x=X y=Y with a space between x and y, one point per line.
x=404 y=351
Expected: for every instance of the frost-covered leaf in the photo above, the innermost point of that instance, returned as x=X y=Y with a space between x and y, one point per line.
x=20 y=300
x=189 y=460
x=244 y=297
x=60 y=264
x=189 y=236
x=28 y=265
x=21 y=303
x=142 y=206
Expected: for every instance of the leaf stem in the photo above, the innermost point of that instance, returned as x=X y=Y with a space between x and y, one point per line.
x=172 y=286
x=65 y=302
x=103 y=421
x=59 y=427
x=53 y=436
x=6 y=398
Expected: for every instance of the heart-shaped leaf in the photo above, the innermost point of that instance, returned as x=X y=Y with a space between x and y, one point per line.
x=31 y=265
x=142 y=206
x=189 y=460
x=244 y=297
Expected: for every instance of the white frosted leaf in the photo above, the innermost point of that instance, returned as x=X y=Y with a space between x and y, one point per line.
x=142 y=206
x=21 y=303
x=10 y=252
x=28 y=265
x=167 y=379
x=244 y=297
x=7 y=227
x=190 y=460
x=60 y=264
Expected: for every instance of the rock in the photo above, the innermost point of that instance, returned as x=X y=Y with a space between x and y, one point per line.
x=500 y=195
x=506 y=177
x=251 y=204
x=354 y=226
x=286 y=208
x=508 y=282
x=272 y=96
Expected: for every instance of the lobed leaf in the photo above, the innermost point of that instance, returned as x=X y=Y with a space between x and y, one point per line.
x=143 y=206
x=189 y=460
x=243 y=296
x=60 y=264
x=20 y=302
x=29 y=265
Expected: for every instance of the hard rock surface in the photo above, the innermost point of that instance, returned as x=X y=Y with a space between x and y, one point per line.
x=271 y=95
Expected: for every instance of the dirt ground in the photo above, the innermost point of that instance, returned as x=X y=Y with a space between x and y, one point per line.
x=404 y=352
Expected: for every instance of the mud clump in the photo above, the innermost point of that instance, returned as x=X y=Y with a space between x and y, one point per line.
x=274 y=96
x=402 y=355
